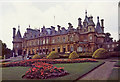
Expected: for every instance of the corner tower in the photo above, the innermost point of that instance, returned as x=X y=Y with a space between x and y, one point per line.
x=17 y=42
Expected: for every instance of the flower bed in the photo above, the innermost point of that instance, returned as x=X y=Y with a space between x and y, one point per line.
x=50 y=61
x=42 y=70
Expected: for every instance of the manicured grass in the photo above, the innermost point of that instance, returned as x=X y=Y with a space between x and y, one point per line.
x=76 y=70
x=114 y=75
x=13 y=73
x=117 y=64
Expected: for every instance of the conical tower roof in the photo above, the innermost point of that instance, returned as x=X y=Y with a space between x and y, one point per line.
x=98 y=27
x=18 y=35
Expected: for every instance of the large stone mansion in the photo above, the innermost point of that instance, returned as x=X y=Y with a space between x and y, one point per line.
x=87 y=37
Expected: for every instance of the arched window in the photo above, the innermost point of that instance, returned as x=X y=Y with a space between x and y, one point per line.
x=79 y=49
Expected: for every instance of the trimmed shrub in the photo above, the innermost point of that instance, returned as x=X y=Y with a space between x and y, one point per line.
x=36 y=56
x=86 y=54
x=53 y=55
x=73 y=55
x=100 y=53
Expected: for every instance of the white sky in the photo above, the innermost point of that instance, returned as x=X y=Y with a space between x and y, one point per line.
x=39 y=13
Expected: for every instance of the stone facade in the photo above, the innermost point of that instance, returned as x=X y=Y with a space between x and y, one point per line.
x=87 y=37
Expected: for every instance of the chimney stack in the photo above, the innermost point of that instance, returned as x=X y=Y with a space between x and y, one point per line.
x=79 y=22
x=14 y=32
x=58 y=27
x=69 y=25
x=102 y=24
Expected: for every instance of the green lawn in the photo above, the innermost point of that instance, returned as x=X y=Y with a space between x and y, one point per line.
x=13 y=73
x=114 y=75
x=75 y=69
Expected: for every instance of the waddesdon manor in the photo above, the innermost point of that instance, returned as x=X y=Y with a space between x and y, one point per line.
x=87 y=37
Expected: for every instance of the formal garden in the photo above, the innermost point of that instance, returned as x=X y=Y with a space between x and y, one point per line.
x=56 y=67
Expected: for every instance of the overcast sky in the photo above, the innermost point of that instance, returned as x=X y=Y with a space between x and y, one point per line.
x=39 y=13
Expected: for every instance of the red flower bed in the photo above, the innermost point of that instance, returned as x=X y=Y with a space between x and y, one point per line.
x=50 y=61
x=42 y=70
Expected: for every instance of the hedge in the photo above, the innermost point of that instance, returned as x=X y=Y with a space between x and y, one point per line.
x=85 y=54
x=100 y=53
x=53 y=55
x=36 y=56
x=73 y=55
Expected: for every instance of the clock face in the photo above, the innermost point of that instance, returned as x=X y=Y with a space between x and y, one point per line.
x=90 y=37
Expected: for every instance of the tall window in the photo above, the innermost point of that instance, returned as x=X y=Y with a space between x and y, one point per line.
x=53 y=49
x=58 y=49
x=64 y=49
x=47 y=41
x=43 y=41
x=79 y=49
x=53 y=40
x=58 y=39
x=72 y=48
x=63 y=39
x=40 y=42
x=71 y=38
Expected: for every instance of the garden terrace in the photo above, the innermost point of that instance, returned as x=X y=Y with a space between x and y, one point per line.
x=16 y=73
x=50 y=61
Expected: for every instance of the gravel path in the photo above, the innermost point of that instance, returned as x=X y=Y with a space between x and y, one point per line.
x=101 y=73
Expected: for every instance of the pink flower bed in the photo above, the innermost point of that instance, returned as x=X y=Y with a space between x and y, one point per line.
x=50 y=61
x=42 y=70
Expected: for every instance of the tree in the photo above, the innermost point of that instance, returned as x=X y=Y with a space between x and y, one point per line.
x=118 y=47
x=6 y=51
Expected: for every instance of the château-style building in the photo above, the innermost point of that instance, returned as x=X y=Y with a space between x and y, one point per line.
x=87 y=37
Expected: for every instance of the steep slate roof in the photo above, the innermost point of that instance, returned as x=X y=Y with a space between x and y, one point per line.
x=34 y=33
x=18 y=35
x=98 y=27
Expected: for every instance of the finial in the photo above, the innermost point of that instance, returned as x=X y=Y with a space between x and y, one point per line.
x=43 y=26
x=102 y=19
x=86 y=12
x=29 y=25
x=79 y=18
x=18 y=26
x=98 y=18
